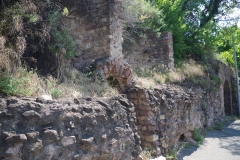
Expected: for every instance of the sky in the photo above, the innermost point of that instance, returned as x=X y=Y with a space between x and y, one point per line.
x=234 y=15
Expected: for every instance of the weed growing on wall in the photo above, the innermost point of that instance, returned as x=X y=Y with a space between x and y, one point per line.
x=146 y=155
x=204 y=106
x=141 y=12
x=188 y=73
x=175 y=150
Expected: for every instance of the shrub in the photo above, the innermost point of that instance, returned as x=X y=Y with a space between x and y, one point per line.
x=56 y=93
x=197 y=135
x=142 y=12
x=19 y=83
x=218 y=126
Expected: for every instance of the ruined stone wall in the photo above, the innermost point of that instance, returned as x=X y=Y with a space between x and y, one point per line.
x=99 y=36
x=96 y=29
x=150 y=50
x=227 y=81
x=169 y=112
x=79 y=129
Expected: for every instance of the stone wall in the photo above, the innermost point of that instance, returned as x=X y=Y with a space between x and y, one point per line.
x=150 y=50
x=227 y=81
x=78 y=129
x=96 y=28
x=169 y=112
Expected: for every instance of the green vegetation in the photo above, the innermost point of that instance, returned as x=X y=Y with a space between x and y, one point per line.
x=142 y=14
x=198 y=135
x=204 y=106
x=28 y=83
x=224 y=43
x=194 y=25
x=18 y=83
x=234 y=117
x=146 y=155
x=35 y=30
x=61 y=37
x=219 y=126
x=175 y=150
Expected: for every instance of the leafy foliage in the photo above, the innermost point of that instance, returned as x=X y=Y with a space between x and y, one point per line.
x=142 y=13
x=225 y=42
x=35 y=31
x=193 y=25
x=197 y=135
x=140 y=16
x=64 y=40
x=18 y=83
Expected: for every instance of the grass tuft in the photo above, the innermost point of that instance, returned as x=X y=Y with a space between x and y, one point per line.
x=187 y=71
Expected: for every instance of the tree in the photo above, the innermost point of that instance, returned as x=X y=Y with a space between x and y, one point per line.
x=193 y=24
x=224 y=42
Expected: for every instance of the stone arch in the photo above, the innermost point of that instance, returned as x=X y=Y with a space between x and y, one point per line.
x=227 y=98
x=118 y=69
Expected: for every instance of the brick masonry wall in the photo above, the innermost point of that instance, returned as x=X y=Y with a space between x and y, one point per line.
x=151 y=50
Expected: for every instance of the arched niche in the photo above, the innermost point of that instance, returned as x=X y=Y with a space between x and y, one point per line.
x=227 y=99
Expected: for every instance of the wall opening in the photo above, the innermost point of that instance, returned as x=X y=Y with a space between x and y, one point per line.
x=182 y=138
x=227 y=99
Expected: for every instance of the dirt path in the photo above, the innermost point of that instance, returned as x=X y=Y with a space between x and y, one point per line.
x=218 y=145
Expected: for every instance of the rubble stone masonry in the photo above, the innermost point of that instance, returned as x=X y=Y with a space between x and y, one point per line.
x=150 y=51
x=169 y=112
x=97 y=31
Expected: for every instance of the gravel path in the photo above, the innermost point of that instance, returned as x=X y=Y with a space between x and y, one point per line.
x=218 y=145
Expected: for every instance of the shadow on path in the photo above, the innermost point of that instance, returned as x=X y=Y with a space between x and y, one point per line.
x=217 y=145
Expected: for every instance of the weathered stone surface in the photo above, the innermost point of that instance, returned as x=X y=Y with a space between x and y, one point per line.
x=101 y=129
x=150 y=51
x=30 y=115
x=152 y=138
x=68 y=140
x=50 y=136
x=171 y=112
x=32 y=136
x=14 y=150
x=16 y=138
